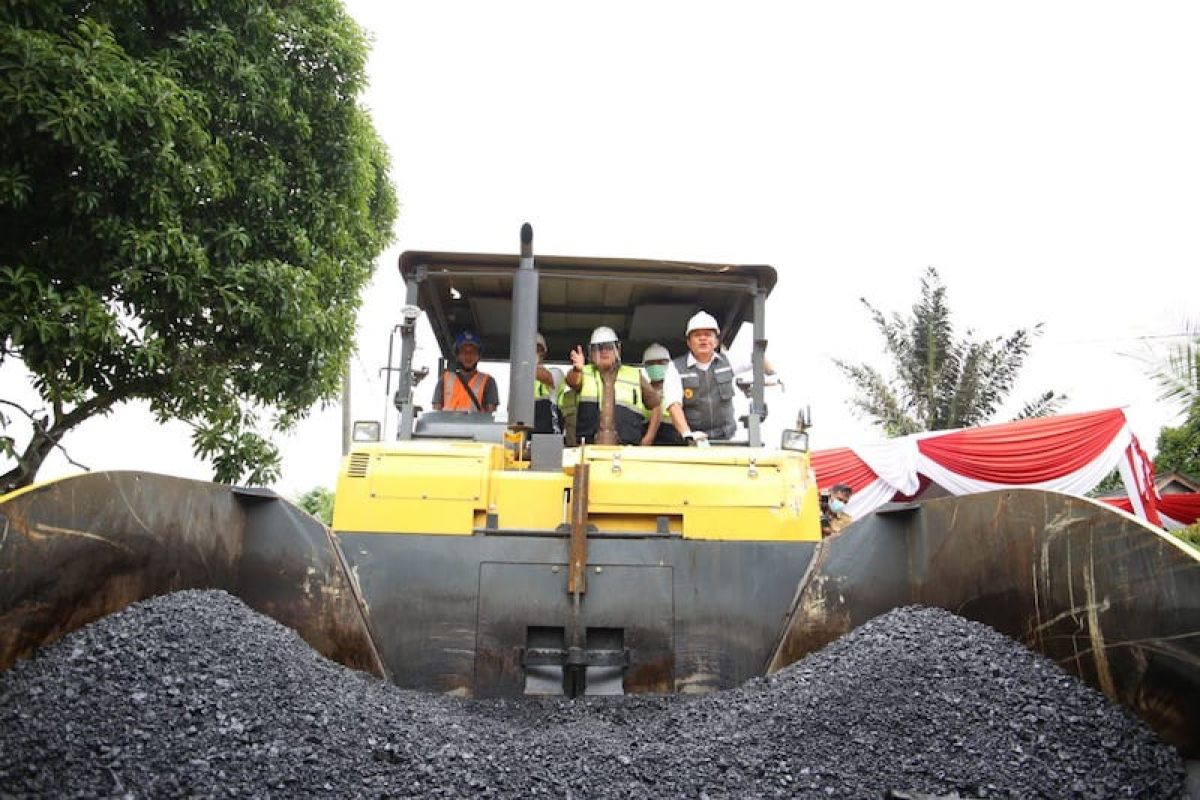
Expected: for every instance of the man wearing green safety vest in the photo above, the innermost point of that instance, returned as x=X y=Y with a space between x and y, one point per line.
x=546 y=384
x=613 y=400
x=568 y=405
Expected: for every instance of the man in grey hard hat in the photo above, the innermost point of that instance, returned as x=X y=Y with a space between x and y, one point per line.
x=660 y=430
x=547 y=418
x=698 y=390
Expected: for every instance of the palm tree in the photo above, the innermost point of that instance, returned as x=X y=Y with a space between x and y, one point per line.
x=941 y=382
x=1179 y=374
x=1178 y=448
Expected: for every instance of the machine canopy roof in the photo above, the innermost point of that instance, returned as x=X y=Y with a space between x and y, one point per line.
x=644 y=301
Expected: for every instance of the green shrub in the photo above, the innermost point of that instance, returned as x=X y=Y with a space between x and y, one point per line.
x=1190 y=534
x=318 y=501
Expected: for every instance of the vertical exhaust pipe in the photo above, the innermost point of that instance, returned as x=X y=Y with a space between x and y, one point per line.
x=523 y=341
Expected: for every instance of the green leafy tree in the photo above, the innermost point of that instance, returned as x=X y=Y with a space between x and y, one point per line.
x=191 y=200
x=1112 y=484
x=318 y=501
x=940 y=381
x=1179 y=448
x=1178 y=375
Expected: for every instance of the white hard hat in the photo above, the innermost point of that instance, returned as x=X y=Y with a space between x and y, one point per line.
x=656 y=352
x=541 y=341
x=604 y=335
x=702 y=321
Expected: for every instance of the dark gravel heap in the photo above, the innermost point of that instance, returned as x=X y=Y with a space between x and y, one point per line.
x=194 y=694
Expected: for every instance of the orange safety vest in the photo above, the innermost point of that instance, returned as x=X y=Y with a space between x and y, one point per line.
x=455 y=397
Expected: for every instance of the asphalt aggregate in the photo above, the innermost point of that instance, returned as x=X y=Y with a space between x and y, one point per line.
x=193 y=694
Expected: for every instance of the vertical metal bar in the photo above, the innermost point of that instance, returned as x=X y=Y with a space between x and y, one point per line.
x=347 y=415
x=408 y=347
x=577 y=569
x=387 y=387
x=523 y=350
x=758 y=408
x=575 y=672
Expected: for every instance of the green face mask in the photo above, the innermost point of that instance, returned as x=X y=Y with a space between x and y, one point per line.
x=656 y=371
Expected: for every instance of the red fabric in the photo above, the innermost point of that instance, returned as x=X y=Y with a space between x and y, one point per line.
x=1054 y=451
x=841 y=465
x=1027 y=451
x=1143 y=471
x=1184 y=508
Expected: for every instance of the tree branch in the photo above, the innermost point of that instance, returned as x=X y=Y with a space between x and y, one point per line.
x=20 y=408
x=47 y=437
x=67 y=456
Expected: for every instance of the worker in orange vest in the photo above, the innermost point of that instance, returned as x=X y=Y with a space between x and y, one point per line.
x=466 y=388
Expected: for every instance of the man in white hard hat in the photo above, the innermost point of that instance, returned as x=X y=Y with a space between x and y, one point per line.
x=656 y=361
x=698 y=391
x=614 y=400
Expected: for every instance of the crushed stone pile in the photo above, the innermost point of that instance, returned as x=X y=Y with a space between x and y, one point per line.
x=194 y=694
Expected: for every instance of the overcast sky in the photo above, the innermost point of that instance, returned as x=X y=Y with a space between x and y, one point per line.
x=1043 y=157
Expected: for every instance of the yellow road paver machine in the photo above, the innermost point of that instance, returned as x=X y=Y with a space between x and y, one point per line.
x=477 y=557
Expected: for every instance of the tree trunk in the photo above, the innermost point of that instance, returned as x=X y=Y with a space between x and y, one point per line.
x=29 y=462
x=44 y=440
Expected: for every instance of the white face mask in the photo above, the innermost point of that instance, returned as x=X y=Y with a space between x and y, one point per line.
x=837 y=506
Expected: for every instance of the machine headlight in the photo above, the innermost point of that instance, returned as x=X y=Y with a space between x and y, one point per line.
x=794 y=440
x=367 y=431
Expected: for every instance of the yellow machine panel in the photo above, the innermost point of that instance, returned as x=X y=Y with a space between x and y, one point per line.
x=414 y=487
x=458 y=488
x=536 y=501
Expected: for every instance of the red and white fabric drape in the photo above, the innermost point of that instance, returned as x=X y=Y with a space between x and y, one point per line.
x=1176 y=511
x=1069 y=453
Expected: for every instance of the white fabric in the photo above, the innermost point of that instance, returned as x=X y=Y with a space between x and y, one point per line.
x=899 y=463
x=672 y=388
x=1171 y=524
x=1138 y=476
x=1078 y=482
x=895 y=461
x=1133 y=487
x=869 y=498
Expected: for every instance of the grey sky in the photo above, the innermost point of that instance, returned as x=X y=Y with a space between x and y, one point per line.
x=1041 y=155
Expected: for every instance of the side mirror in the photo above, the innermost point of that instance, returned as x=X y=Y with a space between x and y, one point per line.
x=794 y=440
x=366 y=431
